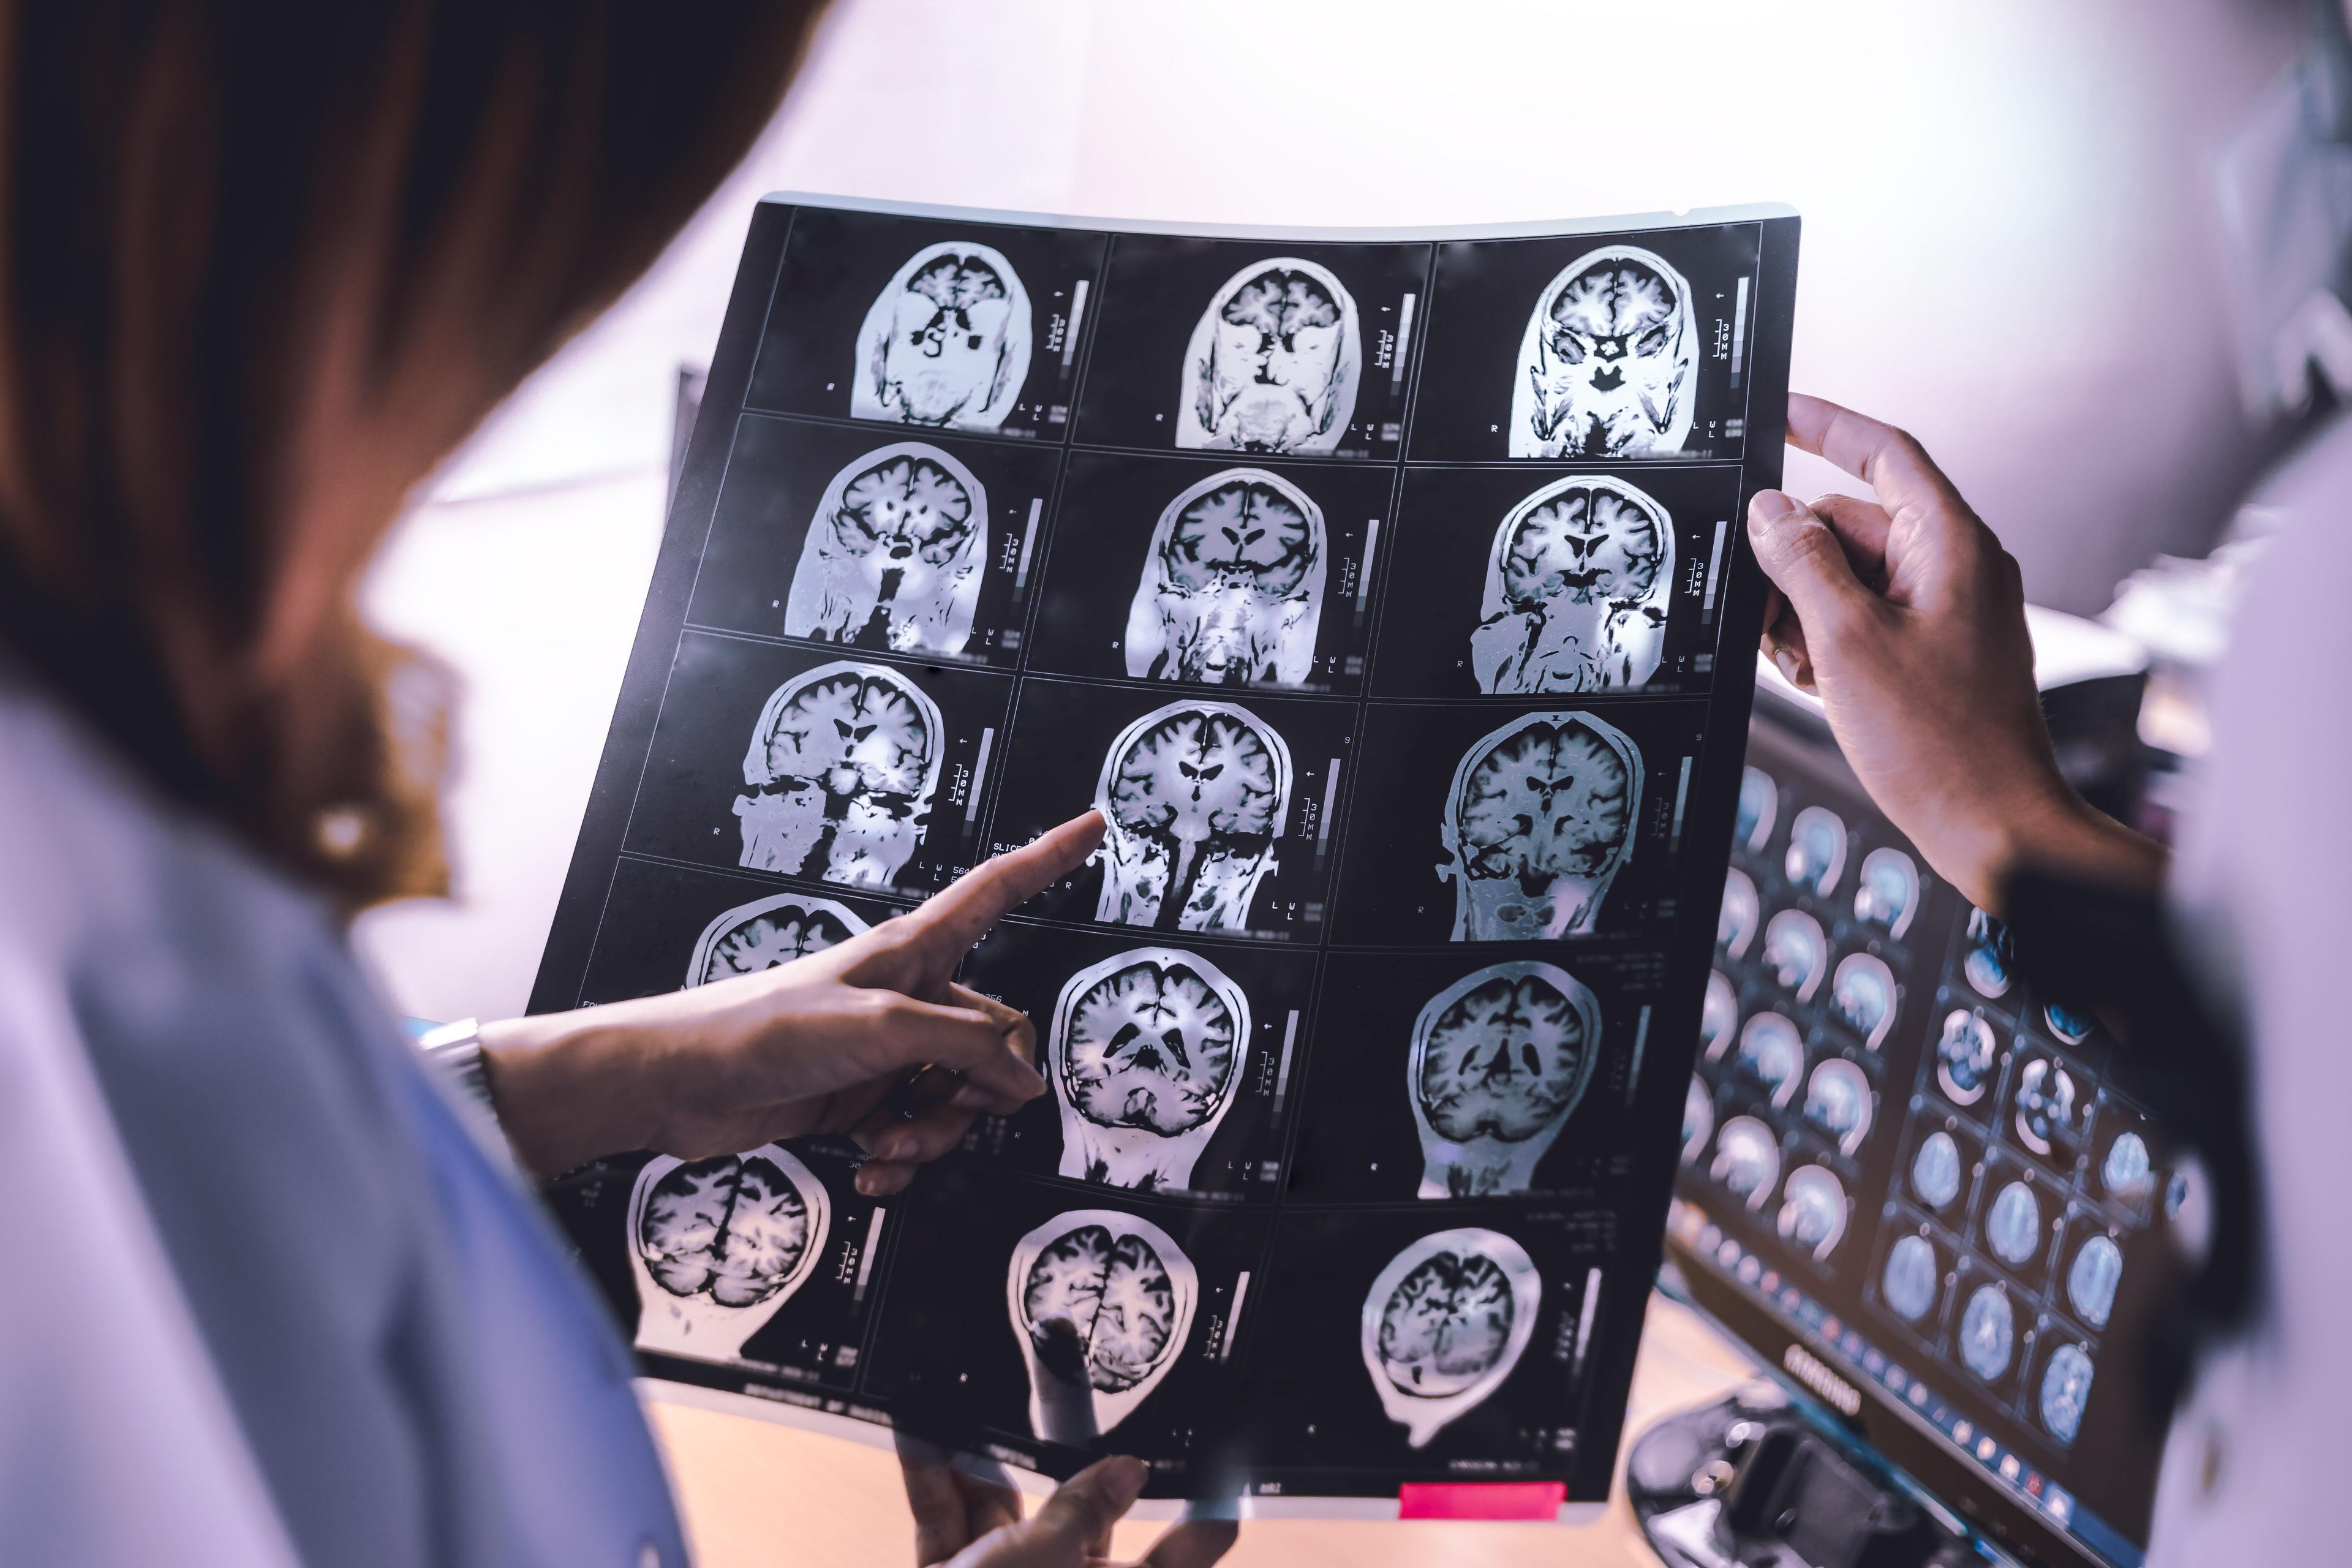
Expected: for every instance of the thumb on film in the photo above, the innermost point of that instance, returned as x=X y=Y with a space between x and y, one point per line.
x=1801 y=554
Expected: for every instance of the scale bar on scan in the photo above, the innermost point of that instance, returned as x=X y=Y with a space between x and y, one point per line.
x=1706 y=608
x=1331 y=803
x=1282 y=1072
x=1739 y=329
x=1404 y=340
x=980 y=771
x=1233 y=1316
x=1682 y=798
x=1640 y=1043
x=1584 y=1322
x=1078 y=310
x=1029 y=545
x=866 y=1262
x=1364 y=573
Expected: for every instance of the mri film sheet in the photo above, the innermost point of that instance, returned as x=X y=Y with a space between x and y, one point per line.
x=1367 y=1028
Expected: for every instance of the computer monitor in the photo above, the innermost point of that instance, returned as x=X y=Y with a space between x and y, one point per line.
x=1913 y=1185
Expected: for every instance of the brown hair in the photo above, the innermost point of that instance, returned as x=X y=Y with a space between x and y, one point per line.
x=238 y=233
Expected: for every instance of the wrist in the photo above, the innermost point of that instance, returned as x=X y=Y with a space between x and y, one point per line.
x=2065 y=833
x=564 y=1088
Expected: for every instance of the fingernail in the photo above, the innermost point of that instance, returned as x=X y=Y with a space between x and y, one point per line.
x=868 y=1183
x=1786 y=664
x=1769 y=507
x=897 y=1147
x=1123 y=1480
x=970 y=1096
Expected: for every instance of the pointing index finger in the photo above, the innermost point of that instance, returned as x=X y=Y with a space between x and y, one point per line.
x=962 y=914
x=1889 y=460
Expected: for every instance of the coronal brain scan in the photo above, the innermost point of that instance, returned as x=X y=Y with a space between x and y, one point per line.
x=1812 y=1210
x=842 y=769
x=1935 y=1172
x=1796 y=952
x=1988 y=959
x=1964 y=1057
x=1143 y=1057
x=2014 y=1224
x=1499 y=1060
x=1863 y=994
x=946 y=343
x=2065 y=1391
x=1274 y=363
x=1232 y=592
x=1698 y=1117
x=1734 y=923
x=2092 y=1278
x=1747 y=1160
x=717 y=1245
x=894 y=557
x=1609 y=362
x=1772 y=1049
x=2045 y=1104
x=1988 y=1332
x=1816 y=857
x=1577 y=585
x=2127 y=1173
x=1909 y=1281
x=762 y=934
x=1102 y=1303
x=1759 y=807
x=1445 y=1323
x=1887 y=893
x=1837 y=1100
x=1718 y=1018
x=1195 y=794
x=1539 y=821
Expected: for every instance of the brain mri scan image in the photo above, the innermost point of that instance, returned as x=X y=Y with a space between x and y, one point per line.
x=717 y=1245
x=1816 y=857
x=1500 y=1059
x=1837 y=1100
x=1759 y=807
x=947 y=341
x=1771 y=1047
x=1274 y=364
x=1102 y=1303
x=1935 y=1172
x=1444 y=1325
x=1718 y=1018
x=2068 y=1025
x=1231 y=591
x=1909 y=1282
x=1964 y=1057
x=2065 y=1390
x=1144 y=1053
x=1698 y=1117
x=1539 y=823
x=1577 y=585
x=1796 y=952
x=1863 y=994
x=1195 y=794
x=2188 y=1209
x=1887 y=893
x=894 y=557
x=1747 y=1160
x=2091 y=1280
x=1734 y=923
x=1609 y=362
x=1989 y=959
x=1988 y=1332
x=1812 y=1210
x=766 y=933
x=2126 y=1173
x=2045 y=1104
x=842 y=769
x=2014 y=1224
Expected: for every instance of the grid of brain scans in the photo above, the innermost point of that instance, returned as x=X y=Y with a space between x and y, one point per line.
x=1416 y=743
x=1891 y=1137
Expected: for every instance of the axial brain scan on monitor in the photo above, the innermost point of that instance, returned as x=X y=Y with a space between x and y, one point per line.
x=1382 y=592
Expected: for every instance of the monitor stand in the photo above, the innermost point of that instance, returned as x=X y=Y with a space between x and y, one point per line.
x=1747 y=1482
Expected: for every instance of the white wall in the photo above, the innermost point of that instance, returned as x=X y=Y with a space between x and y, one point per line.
x=2007 y=246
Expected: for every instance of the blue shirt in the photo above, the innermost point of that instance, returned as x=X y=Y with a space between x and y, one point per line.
x=271 y=1297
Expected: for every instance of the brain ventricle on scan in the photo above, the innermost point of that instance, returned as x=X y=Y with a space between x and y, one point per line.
x=734 y=1226
x=1539 y=820
x=843 y=766
x=1231 y=589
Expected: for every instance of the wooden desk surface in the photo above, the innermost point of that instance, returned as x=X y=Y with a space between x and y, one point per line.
x=755 y=1493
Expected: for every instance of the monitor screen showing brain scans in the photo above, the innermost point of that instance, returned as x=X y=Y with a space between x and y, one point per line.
x=1386 y=597
x=1899 y=1154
